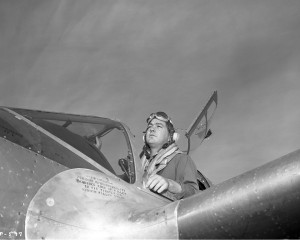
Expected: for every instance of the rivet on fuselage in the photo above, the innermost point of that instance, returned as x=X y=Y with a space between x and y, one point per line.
x=50 y=202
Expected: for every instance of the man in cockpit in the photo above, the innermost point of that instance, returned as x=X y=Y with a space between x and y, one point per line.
x=167 y=170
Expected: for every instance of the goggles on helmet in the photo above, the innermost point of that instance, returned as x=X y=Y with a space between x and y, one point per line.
x=160 y=116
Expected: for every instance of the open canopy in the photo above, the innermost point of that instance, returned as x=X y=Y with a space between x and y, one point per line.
x=199 y=128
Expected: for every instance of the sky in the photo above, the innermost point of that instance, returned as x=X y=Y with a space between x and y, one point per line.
x=126 y=59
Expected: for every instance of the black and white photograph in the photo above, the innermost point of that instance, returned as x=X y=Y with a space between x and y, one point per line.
x=149 y=119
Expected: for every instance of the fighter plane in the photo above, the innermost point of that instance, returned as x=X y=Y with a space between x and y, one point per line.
x=66 y=176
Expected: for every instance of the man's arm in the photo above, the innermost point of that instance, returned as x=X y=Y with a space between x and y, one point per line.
x=184 y=183
x=186 y=176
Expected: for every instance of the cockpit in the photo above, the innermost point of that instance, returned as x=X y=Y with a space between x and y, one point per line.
x=74 y=141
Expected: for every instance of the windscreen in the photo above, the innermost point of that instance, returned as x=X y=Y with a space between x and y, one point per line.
x=71 y=140
x=106 y=139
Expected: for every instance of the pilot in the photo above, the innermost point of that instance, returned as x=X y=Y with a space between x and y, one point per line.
x=167 y=170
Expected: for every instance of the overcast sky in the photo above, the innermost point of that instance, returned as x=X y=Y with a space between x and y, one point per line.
x=125 y=59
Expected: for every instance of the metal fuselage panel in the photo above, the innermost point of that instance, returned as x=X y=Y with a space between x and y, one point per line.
x=22 y=173
x=82 y=203
x=261 y=203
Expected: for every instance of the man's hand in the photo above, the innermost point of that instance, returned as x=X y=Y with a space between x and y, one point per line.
x=159 y=184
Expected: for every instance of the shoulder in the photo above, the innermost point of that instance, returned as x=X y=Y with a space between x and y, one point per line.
x=184 y=160
x=182 y=157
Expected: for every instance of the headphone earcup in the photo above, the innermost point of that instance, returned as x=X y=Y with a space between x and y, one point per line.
x=144 y=138
x=176 y=136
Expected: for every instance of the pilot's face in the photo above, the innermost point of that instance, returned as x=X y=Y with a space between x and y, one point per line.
x=157 y=133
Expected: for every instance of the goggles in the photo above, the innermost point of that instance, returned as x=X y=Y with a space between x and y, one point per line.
x=160 y=116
